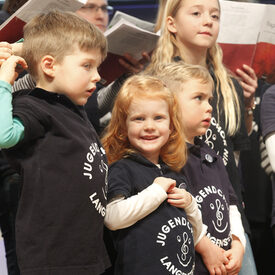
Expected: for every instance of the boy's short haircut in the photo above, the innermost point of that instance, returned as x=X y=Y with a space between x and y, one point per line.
x=177 y=73
x=57 y=34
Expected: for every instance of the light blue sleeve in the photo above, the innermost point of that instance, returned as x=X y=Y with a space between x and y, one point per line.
x=11 y=129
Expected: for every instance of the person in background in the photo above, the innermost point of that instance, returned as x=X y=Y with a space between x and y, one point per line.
x=256 y=177
x=246 y=74
x=49 y=139
x=256 y=174
x=9 y=7
x=267 y=116
x=197 y=45
x=97 y=12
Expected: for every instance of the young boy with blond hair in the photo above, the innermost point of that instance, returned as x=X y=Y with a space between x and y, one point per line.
x=206 y=174
x=47 y=136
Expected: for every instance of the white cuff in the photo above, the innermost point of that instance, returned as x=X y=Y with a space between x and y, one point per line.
x=236 y=224
x=270 y=148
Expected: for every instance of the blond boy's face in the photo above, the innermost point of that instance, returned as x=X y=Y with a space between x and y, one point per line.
x=76 y=76
x=194 y=99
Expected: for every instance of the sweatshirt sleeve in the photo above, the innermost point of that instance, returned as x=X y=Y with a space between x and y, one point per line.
x=11 y=129
x=122 y=213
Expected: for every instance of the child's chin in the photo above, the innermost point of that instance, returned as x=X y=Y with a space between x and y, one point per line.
x=202 y=133
x=81 y=102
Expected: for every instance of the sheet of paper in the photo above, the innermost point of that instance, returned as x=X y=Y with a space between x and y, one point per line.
x=124 y=37
x=240 y=22
x=133 y=20
x=247 y=36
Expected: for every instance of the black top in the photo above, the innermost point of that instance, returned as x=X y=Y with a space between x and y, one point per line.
x=209 y=184
x=216 y=137
x=59 y=226
x=268 y=112
x=5 y=169
x=268 y=127
x=160 y=243
x=256 y=168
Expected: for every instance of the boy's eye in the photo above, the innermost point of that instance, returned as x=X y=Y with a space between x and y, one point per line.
x=199 y=97
x=87 y=66
x=216 y=16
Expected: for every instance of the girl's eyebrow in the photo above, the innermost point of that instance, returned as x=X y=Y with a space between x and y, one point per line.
x=200 y=6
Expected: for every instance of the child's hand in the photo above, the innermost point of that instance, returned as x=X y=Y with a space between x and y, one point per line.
x=166 y=183
x=249 y=82
x=213 y=256
x=5 y=51
x=9 y=68
x=235 y=257
x=17 y=48
x=179 y=197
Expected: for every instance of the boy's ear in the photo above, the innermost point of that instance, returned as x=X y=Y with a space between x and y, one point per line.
x=171 y=25
x=48 y=65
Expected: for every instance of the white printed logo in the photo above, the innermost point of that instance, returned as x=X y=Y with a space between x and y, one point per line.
x=219 y=207
x=183 y=257
x=210 y=139
x=88 y=172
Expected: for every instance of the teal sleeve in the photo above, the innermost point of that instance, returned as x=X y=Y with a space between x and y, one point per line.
x=11 y=129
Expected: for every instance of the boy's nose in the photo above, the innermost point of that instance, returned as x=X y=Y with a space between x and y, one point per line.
x=209 y=108
x=207 y=19
x=95 y=77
